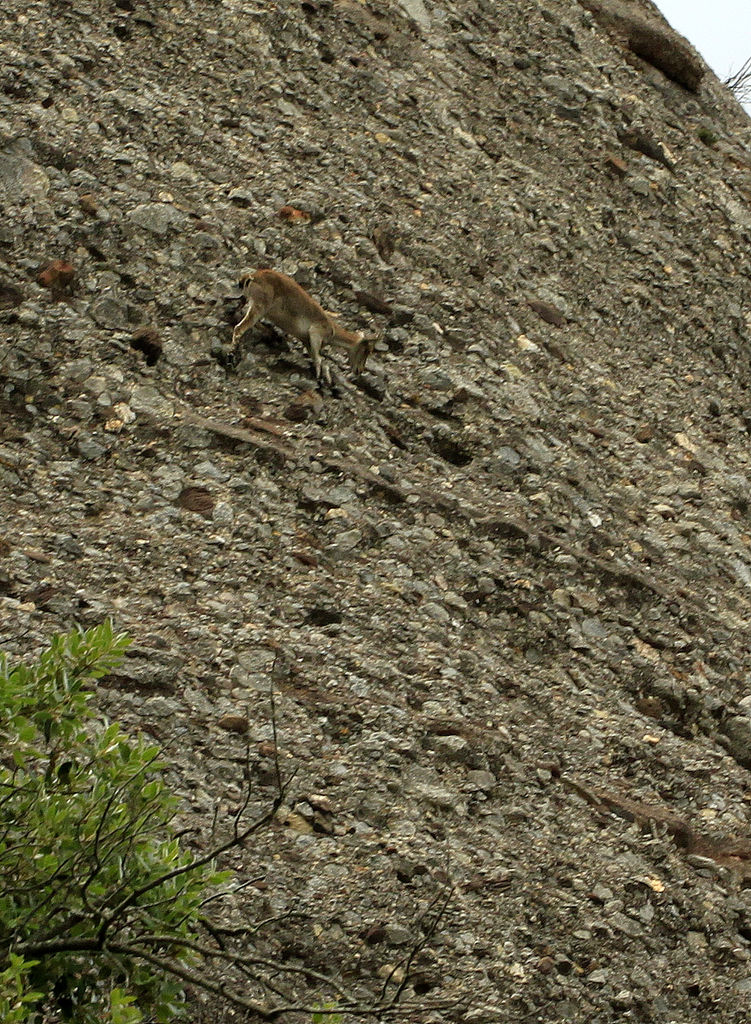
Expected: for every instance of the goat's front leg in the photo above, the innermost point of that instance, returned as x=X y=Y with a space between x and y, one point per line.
x=251 y=318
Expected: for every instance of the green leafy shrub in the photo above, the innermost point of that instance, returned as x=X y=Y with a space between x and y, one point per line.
x=98 y=901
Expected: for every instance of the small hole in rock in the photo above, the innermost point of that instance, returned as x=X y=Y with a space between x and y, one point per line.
x=450 y=451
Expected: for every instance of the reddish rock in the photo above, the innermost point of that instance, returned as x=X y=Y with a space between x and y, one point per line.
x=197 y=499
x=233 y=723
x=547 y=312
x=57 y=276
x=294 y=216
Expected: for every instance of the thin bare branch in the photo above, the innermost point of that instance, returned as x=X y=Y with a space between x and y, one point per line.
x=193 y=865
x=243 y=960
x=201 y=981
x=739 y=82
x=248 y=788
x=272 y=702
x=443 y=898
x=251 y=929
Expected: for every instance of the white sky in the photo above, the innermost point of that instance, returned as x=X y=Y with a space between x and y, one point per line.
x=719 y=29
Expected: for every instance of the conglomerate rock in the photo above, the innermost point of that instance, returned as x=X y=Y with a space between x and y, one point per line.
x=514 y=554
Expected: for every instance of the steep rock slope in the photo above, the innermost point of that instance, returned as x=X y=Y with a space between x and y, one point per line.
x=504 y=578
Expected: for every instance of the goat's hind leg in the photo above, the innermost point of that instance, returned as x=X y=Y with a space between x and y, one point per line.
x=316 y=338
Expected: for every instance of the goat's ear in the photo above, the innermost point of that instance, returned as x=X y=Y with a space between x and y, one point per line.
x=244 y=278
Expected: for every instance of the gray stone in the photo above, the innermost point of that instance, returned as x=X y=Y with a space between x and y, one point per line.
x=436 y=612
x=223 y=514
x=482 y=780
x=399 y=935
x=158 y=218
x=595 y=628
x=91 y=450
x=110 y=311
x=145 y=399
x=627 y=925
x=21 y=179
x=737 y=729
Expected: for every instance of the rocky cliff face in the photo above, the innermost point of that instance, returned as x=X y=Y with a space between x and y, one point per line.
x=506 y=573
